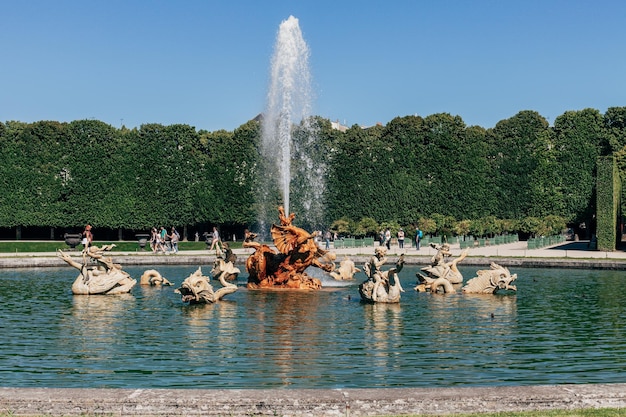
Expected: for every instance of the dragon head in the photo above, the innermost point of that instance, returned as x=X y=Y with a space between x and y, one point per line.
x=196 y=289
x=505 y=280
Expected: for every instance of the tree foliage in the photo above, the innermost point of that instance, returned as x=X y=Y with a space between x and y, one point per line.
x=427 y=171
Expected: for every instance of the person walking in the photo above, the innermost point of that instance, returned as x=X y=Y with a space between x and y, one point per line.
x=401 y=238
x=155 y=241
x=163 y=238
x=216 y=239
x=87 y=237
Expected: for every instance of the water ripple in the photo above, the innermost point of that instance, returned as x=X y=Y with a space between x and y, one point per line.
x=561 y=327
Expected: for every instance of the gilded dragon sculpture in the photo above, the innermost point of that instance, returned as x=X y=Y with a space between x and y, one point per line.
x=297 y=250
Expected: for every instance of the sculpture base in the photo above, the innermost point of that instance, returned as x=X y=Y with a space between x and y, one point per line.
x=303 y=282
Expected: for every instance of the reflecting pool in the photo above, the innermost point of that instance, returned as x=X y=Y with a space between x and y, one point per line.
x=562 y=326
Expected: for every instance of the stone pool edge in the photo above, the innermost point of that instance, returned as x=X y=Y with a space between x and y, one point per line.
x=307 y=402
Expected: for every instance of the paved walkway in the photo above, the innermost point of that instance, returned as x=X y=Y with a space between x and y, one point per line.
x=577 y=250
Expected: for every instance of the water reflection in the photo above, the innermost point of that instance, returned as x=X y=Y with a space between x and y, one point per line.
x=94 y=325
x=208 y=327
x=560 y=327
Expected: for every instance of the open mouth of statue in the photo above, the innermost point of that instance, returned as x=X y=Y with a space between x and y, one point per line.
x=188 y=298
x=187 y=294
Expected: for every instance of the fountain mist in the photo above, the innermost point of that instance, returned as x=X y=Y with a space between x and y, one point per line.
x=286 y=155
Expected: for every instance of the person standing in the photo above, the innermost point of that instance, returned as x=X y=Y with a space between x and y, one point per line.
x=174 y=238
x=388 y=238
x=401 y=238
x=327 y=239
x=418 y=237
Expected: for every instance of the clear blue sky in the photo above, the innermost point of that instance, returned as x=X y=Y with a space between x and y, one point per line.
x=206 y=63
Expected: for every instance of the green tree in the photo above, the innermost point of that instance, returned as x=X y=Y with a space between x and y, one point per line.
x=367 y=226
x=513 y=160
x=578 y=141
x=232 y=168
x=359 y=163
x=615 y=127
x=341 y=227
x=463 y=227
x=32 y=179
x=546 y=196
x=403 y=137
x=427 y=225
x=532 y=225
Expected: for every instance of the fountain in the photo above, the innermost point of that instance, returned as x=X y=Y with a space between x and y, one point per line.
x=287 y=134
x=286 y=269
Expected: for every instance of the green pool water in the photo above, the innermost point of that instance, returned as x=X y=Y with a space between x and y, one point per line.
x=562 y=326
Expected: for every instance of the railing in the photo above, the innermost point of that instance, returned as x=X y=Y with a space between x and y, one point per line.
x=350 y=242
x=471 y=242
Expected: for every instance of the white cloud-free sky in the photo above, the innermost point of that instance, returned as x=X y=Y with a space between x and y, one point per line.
x=206 y=63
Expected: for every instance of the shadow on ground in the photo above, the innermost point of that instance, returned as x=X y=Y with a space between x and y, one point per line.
x=578 y=245
x=584 y=246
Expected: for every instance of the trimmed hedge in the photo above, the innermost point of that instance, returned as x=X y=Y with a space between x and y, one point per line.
x=608 y=191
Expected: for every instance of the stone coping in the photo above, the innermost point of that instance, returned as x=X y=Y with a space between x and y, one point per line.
x=307 y=402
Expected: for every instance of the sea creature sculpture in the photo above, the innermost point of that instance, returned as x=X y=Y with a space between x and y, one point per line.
x=227 y=254
x=153 y=277
x=297 y=251
x=345 y=271
x=490 y=281
x=381 y=286
x=105 y=277
x=196 y=289
x=223 y=269
x=441 y=273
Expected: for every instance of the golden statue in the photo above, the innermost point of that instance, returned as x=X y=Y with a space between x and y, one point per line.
x=297 y=251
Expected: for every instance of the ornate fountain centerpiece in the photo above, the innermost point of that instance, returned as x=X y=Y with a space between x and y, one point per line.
x=297 y=251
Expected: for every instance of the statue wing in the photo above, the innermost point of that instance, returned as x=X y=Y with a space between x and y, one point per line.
x=287 y=238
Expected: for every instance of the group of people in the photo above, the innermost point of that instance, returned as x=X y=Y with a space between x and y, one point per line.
x=385 y=238
x=162 y=241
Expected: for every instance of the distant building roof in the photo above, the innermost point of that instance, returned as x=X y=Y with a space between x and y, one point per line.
x=338 y=126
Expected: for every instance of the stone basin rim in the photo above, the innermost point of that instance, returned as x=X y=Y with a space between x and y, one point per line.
x=308 y=402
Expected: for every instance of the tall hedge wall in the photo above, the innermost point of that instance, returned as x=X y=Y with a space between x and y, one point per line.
x=608 y=202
